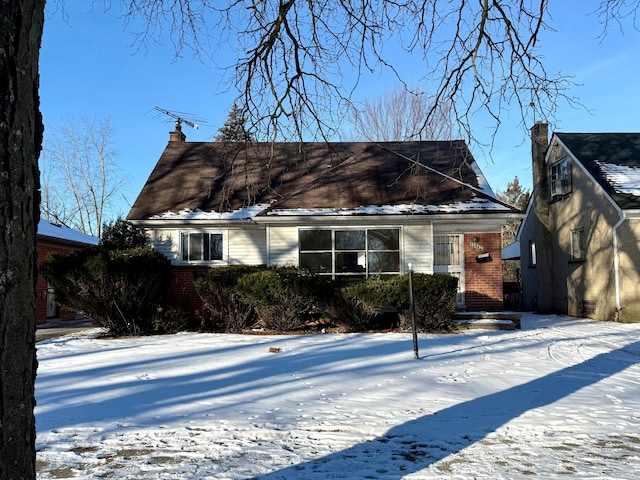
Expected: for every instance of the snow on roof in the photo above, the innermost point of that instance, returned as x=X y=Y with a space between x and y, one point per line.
x=483 y=184
x=408 y=209
x=477 y=205
x=623 y=178
x=244 y=213
x=48 y=229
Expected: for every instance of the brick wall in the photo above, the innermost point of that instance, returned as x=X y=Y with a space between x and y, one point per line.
x=43 y=249
x=182 y=293
x=483 y=279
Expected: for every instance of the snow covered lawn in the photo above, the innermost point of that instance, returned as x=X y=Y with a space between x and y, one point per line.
x=559 y=398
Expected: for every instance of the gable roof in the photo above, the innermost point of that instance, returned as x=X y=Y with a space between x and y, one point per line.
x=234 y=180
x=612 y=159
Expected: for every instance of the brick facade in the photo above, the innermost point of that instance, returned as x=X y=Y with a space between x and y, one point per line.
x=44 y=248
x=483 y=276
x=182 y=293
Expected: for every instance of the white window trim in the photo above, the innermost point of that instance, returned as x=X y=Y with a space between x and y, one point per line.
x=364 y=228
x=452 y=269
x=578 y=252
x=222 y=261
x=560 y=181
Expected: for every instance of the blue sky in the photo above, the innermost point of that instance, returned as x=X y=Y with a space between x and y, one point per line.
x=89 y=68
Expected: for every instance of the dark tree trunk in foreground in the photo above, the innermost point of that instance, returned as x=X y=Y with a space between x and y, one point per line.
x=21 y=23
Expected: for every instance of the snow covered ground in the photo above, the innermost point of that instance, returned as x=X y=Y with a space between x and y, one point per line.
x=559 y=398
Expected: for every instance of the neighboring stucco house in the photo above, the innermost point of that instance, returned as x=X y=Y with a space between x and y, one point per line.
x=580 y=240
x=52 y=238
x=338 y=209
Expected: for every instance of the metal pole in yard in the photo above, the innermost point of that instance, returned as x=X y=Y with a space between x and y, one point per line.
x=414 y=325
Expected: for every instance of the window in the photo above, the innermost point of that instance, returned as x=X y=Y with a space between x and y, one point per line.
x=533 y=257
x=448 y=258
x=201 y=247
x=446 y=250
x=577 y=244
x=350 y=251
x=560 y=178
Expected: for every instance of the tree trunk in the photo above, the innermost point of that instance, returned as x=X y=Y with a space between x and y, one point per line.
x=21 y=23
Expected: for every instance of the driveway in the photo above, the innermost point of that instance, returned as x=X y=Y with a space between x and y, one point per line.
x=56 y=328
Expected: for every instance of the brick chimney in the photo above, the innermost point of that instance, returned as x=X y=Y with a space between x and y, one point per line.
x=539 y=147
x=177 y=135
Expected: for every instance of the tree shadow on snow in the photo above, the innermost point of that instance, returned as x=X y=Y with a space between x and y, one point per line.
x=415 y=445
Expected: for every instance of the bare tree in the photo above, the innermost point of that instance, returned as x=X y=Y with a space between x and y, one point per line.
x=400 y=115
x=79 y=175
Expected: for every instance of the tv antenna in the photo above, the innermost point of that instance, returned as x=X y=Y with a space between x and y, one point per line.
x=179 y=118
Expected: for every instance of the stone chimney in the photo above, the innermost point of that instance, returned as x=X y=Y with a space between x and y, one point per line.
x=177 y=135
x=539 y=147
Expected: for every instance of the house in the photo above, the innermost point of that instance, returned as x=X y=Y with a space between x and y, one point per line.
x=338 y=209
x=580 y=239
x=53 y=238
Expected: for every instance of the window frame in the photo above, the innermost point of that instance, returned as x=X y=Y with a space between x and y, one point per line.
x=560 y=178
x=578 y=248
x=206 y=247
x=533 y=254
x=339 y=249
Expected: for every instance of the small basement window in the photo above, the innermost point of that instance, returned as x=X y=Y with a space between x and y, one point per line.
x=201 y=247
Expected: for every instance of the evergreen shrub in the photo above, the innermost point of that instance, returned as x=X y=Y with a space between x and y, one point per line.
x=218 y=290
x=120 y=290
x=434 y=299
x=282 y=297
x=360 y=306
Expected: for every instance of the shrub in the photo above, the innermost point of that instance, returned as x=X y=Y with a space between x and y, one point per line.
x=360 y=306
x=169 y=321
x=218 y=290
x=434 y=300
x=281 y=296
x=120 y=290
x=120 y=234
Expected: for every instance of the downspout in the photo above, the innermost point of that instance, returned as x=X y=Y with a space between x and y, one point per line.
x=616 y=265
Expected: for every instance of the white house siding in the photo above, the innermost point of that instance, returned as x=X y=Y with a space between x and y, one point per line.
x=282 y=245
x=417 y=248
x=241 y=245
x=247 y=246
x=166 y=241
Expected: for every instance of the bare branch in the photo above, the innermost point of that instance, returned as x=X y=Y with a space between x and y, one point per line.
x=300 y=61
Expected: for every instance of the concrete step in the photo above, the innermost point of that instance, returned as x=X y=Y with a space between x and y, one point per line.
x=488 y=320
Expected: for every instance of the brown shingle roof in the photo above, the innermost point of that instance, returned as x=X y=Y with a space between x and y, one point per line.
x=219 y=177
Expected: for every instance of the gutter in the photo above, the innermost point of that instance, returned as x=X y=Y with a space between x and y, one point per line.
x=616 y=264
